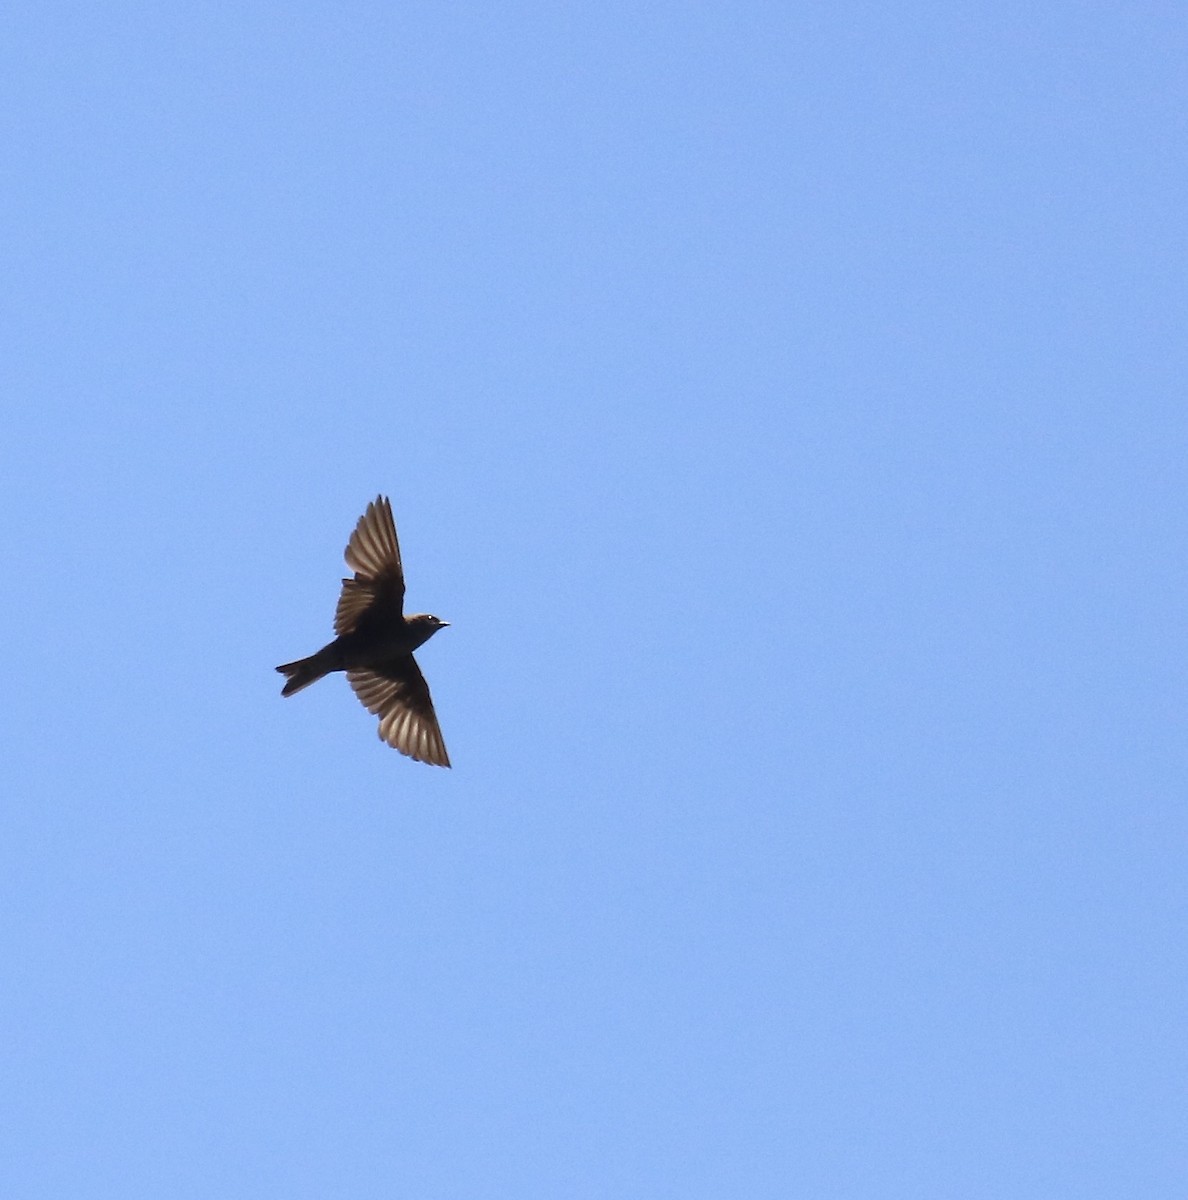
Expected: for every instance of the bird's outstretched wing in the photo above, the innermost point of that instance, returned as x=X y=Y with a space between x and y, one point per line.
x=398 y=694
x=373 y=553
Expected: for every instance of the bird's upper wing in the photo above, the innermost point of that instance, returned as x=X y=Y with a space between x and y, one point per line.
x=398 y=694
x=373 y=553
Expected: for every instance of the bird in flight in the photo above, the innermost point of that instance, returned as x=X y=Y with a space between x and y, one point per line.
x=375 y=642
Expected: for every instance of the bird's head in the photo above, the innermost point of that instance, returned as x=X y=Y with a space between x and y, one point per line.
x=425 y=625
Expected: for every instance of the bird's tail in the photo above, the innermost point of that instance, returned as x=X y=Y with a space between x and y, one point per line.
x=304 y=671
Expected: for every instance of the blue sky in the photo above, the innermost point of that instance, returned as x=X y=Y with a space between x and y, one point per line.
x=785 y=404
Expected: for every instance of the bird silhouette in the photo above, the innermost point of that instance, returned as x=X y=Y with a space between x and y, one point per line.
x=375 y=642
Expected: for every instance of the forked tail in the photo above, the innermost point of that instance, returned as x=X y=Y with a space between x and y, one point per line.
x=303 y=672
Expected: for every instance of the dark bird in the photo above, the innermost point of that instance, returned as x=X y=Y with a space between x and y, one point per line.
x=375 y=642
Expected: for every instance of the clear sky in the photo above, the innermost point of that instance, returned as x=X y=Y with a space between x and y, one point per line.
x=785 y=402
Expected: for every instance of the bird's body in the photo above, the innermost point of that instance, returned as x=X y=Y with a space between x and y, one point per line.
x=375 y=642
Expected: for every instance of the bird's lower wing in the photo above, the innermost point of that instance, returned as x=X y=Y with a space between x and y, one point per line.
x=399 y=696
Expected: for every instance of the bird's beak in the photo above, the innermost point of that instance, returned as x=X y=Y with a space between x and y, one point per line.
x=442 y=624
